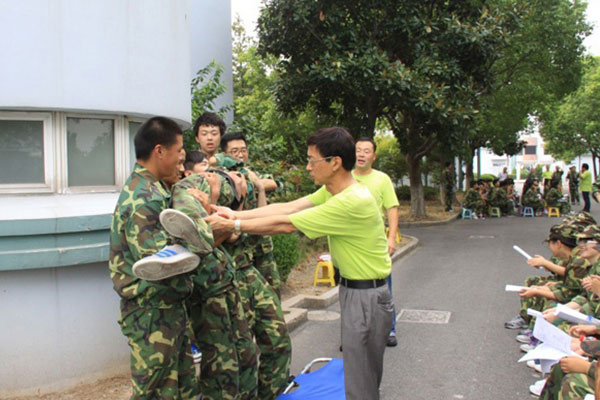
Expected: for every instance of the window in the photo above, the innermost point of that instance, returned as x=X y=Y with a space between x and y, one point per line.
x=65 y=152
x=26 y=152
x=531 y=150
x=90 y=152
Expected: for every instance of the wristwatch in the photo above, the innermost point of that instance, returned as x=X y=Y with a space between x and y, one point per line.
x=237 y=226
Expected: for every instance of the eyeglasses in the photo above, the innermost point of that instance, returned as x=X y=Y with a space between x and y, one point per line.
x=364 y=151
x=310 y=161
x=238 y=150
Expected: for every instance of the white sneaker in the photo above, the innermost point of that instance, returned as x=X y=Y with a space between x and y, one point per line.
x=181 y=226
x=170 y=261
x=537 y=387
x=534 y=365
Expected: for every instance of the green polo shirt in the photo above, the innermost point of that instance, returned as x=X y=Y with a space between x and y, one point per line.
x=586 y=181
x=354 y=229
x=381 y=187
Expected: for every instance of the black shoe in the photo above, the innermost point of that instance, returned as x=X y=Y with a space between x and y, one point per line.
x=341 y=348
x=391 y=341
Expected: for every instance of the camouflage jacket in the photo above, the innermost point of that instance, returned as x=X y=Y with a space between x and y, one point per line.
x=497 y=197
x=577 y=268
x=573 y=178
x=531 y=197
x=447 y=179
x=136 y=233
x=473 y=199
x=552 y=197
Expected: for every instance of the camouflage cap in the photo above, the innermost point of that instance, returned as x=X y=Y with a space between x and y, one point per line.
x=582 y=219
x=565 y=233
x=592 y=232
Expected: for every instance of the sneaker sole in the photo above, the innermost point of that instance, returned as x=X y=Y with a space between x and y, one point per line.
x=181 y=226
x=157 y=269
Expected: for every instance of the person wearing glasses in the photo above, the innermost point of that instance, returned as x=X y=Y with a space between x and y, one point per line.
x=345 y=212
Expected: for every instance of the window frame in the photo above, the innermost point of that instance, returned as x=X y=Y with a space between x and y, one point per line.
x=49 y=144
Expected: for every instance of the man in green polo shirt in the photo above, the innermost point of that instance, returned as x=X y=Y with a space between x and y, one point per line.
x=345 y=212
x=585 y=185
x=381 y=187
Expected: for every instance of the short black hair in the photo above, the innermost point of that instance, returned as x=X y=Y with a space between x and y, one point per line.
x=447 y=164
x=472 y=183
x=192 y=158
x=335 y=142
x=155 y=131
x=232 y=136
x=367 y=139
x=585 y=165
x=210 y=119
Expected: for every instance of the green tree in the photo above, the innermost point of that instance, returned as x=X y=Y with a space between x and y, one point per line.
x=206 y=87
x=420 y=65
x=540 y=64
x=573 y=127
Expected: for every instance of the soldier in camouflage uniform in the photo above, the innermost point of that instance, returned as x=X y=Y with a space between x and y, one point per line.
x=533 y=198
x=153 y=314
x=554 y=198
x=596 y=191
x=229 y=354
x=573 y=178
x=447 y=182
x=262 y=306
x=473 y=200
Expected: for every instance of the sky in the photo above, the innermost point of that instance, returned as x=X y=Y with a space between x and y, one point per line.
x=248 y=11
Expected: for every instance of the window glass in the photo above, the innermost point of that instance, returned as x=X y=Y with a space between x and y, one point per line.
x=21 y=152
x=133 y=128
x=90 y=152
x=530 y=149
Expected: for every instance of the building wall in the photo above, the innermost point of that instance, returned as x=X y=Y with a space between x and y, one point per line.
x=117 y=56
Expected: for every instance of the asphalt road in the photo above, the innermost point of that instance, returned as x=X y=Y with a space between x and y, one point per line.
x=460 y=268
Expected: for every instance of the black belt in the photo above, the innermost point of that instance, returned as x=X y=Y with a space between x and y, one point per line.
x=362 y=283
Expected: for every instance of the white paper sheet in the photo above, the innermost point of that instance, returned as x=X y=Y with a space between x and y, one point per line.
x=552 y=336
x=522 y=252
x=568 y=314
x=514 y=288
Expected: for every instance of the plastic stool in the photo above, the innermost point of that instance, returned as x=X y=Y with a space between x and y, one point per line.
x=467 y=214
x=325 y=266
x=553 y=212
x=495 y=212
x=528 y=212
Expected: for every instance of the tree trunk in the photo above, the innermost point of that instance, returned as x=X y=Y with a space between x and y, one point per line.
x=469 y=172
x=594 y=157
x=417 y=195
x=461 y=175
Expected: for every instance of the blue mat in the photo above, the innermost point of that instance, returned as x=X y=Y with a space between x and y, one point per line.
x=326 y=383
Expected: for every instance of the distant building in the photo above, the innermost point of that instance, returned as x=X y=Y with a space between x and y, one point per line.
x=78 y=78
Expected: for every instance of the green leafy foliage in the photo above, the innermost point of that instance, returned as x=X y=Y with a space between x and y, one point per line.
x=286 y=253
x=206 y=87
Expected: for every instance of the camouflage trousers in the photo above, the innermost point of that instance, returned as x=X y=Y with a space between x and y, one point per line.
x=574 y=193
x=265 y=317
x=229 y=355
x=266 y=265
x=449 y=197
x=161 y=356
x=566 y=386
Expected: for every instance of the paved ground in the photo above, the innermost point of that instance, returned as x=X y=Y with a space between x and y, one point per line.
x=461 y=268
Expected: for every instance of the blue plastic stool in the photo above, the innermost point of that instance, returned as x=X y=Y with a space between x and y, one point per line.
x=528 y=212
x=467 y=214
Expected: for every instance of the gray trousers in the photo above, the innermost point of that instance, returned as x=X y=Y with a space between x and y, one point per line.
x=366 y=317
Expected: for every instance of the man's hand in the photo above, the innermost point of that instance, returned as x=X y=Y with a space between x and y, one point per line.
x=537 y=261
x=391 y=246
x=586 y=330
x=574 y=364
x=219 y=224
x=528 y=293
x=224 y=212
x=549 y=315
x=201 y=197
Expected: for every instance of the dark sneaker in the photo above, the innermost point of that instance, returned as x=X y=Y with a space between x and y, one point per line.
x=391 y=341
x=516 y=323
x=170 y=261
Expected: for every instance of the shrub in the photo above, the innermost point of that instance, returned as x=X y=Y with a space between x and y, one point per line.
x=286 y=253
x=431 y=193
x=488 y=177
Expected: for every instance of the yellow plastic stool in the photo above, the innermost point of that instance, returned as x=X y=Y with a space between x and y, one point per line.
x=398 y=234
x=495 y=212
x=325 y=266
x=553 y=212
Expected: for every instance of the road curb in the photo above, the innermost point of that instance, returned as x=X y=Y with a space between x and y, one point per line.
x=428 y=223
x=295 y=309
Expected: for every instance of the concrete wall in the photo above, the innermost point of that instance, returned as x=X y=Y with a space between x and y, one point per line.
x=59 y=327
x=211 y=39
x=115 y=56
